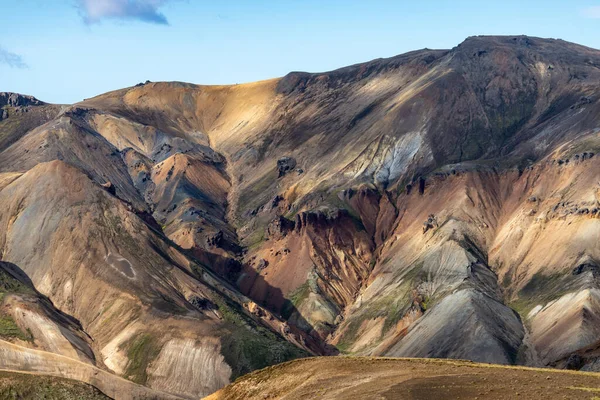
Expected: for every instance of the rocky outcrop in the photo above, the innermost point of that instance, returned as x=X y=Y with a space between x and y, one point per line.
x=430 y=223
x=285 y=165
x=280 y=227
x=18 y=100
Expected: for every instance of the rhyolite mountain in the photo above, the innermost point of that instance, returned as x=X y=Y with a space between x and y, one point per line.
x=441 y=203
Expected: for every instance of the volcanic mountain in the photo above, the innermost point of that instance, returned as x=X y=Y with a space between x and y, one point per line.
x=441 y=203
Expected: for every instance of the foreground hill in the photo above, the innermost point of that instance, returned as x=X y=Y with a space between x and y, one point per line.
x=441 y=203
x=410 y=379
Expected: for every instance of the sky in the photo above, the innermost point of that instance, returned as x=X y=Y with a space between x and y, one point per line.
x=63 y=51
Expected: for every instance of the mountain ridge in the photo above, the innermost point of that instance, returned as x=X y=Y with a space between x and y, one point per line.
x=386 y=208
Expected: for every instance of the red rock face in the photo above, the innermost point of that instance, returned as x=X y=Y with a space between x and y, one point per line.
x=395 y=207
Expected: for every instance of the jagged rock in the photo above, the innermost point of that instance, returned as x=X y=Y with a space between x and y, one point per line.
x=585 y=267
x=216 y=240
x=77 y=111
x=421 y=185
x=280 y=227
x=430 y=223
x=582 y=102
x=202 y=303
x=110 y=188
x=18 y=100
x=276 y=200
x=285 y=165
x=170 y=173
x=3 y=114
x=262 y=264
x=574 y=362
x=320 y=218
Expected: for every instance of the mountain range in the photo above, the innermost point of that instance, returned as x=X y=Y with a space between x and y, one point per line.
x=162 y=240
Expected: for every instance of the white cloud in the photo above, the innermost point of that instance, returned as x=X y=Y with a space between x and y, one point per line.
x=94 y=11
x=591 y=12
x=11 y=59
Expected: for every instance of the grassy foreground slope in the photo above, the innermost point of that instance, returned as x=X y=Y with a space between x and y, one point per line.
x=32 y=387
x=387 y=378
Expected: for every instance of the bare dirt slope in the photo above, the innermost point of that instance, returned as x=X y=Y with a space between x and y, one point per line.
x=417 y=379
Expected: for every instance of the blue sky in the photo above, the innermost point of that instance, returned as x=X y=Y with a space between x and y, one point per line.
x=65 y=50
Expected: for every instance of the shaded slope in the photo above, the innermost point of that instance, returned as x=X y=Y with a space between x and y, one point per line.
x=30 y=319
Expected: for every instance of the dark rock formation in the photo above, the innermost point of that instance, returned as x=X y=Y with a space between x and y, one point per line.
x=587 y=267
x=18 y=100
x=110 y=188
x=285 y=165
x=262 y=264
x=430 y=223
x=421 y=185
x=280 y=227
x=216 y=240
x=202 y=303
x=574 y=362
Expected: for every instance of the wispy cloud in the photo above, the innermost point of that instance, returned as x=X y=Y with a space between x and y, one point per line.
x=11 y=59
x=591 y=12
x=94 y=11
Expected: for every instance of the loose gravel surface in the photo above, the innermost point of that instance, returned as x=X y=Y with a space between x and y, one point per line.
x=391 y=379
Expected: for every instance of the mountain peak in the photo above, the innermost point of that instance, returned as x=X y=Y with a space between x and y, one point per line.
x=18 y=100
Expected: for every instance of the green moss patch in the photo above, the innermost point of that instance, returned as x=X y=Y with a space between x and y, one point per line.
x=249 y=346
x=542 y=289
x=141 y=351
x=10 y=330
x=8 y=327
x=391 y=306
x=295 y=299
x=9 y=285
